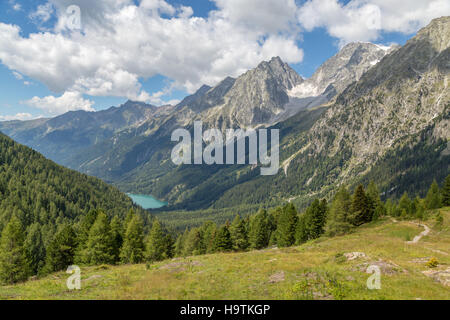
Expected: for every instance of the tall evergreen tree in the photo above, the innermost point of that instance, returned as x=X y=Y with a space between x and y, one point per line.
x=82 y=231
x=315 y=219
x=100 y=244
x=433 y=199
x=117 y=237
x=180 y=243
x=13 y=261
x=360 y=207
x=132 y=251
x=222 y=242
x=301 y=230
x=338 y=222
x=194 y=244
x=259 y=232
x=405 y=204
x=239 y=234
x=376 y=206
x=61 y=250
x=169 y=246
x=208 y=232
x=446 y=192
x=156 y=250
x=34 y=248
x=287 y=223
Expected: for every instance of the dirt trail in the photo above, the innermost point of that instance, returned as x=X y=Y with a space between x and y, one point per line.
x=420 y=236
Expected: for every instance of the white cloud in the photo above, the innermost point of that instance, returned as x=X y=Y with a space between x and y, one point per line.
x=69 y=101
x=18 y=116
x=43 y=13
x=123 y=42
x=365 y=20
x=17 y=75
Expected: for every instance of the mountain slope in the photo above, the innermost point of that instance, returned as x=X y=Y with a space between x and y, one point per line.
x=391 y=126
x=39 y=191
x=62 y=137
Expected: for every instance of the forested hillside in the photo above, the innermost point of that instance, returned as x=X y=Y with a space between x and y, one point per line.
x=40 y=201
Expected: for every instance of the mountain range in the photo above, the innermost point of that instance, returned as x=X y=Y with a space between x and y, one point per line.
x=368 y=113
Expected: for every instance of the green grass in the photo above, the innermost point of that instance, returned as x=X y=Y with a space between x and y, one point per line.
x=315 y=270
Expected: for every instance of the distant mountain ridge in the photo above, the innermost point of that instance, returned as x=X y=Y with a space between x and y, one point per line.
x=343 y=125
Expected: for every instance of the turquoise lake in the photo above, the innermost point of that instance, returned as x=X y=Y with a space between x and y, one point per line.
x=147 y=202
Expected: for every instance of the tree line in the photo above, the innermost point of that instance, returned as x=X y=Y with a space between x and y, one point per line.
x=100 y=239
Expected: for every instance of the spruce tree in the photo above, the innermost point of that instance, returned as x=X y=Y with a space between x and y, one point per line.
x=61 y=250
x=446 y=192
x=222 y=242
x=169 y=246
x=239 y=234
x=360 y=207
x=83 y=230
x=433 y=198
x=14 y=266
x=338 y=222
x=34 y=248
x=301 y=230
x=156 y=250
x=132 y=251
x=376 y=206
x=100 y=244
x=194 y=243
x=405 y=204
x=259 y=233
x=287 y=223
x=117 y=237
x=315 y=219
x=180 y=243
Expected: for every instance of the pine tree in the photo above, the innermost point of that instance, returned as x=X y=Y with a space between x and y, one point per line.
x=259 y=233
x=287 y=223
x=208 y=232
x=83 y=235
x=339 y=219
x=156 y=244
x=239 y=234
x=169 y=247
x=315 y=219
x=360 y=207
x=61 y=250
x=301 y=230
x=34 y=248
x=13 y=261
x=405 y=204
x=433 y=198
x=194 y=243
x=223 y=241
x=132 y=251
x=446 y=192
x=180 y=243
x=376 y=206
x=100 y=244
x=117 y=237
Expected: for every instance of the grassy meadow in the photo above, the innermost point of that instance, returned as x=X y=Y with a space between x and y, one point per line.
x=321 y=269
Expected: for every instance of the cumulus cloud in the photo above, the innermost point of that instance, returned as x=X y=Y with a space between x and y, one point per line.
x=125 y=41
x=122 y=42
x=18 y=116
x=69 y=101
x=365 y=20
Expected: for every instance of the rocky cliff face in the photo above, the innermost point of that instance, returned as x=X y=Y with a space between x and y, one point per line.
x=400 y=97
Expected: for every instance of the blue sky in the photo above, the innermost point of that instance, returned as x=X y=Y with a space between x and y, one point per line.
x=230 y=37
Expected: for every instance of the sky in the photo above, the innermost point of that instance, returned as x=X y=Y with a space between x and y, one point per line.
x=62 y=55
